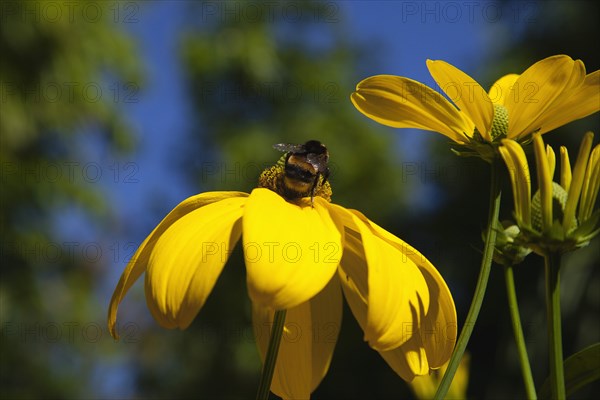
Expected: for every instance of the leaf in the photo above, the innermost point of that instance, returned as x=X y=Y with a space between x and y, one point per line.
x=580 y=369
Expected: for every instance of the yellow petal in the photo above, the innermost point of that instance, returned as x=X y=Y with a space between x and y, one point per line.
x=544 y=182
x=581 y=102
x=397 y=294
x=425 y=387
x=501 y=88
x=579 y=172
x=535 y=91
x=354 y=277
x=470 y=97
x=572 y=86
x=138 y=263
x=326 y=316
x=309 y=338
x=292 y=374
x=408 y=360
x=518 y=169
x=188 y=258
x=404 y=103
x=291 y=251
x=551 y=158
x=591 y=183
x=565 y=168
x=438 y=328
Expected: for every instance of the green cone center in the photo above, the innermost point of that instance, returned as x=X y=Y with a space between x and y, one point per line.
x=559 y=201
x=500 y=122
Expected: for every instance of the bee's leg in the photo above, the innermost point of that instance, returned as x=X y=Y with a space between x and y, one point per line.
x=313 y=189
x=325 y=176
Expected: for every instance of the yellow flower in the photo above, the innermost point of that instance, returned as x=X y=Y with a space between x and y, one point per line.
x=299 y=257
x=549 y=94
x=559 y=217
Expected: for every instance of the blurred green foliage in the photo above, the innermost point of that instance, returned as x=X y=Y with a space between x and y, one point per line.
x=56 y=72
x=253 y=81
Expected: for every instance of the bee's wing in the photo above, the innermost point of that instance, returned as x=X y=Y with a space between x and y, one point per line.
x=317 y=160
x=294 y=148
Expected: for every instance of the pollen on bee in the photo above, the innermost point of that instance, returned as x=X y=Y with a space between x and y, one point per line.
x=268 y=178
x=273 y=177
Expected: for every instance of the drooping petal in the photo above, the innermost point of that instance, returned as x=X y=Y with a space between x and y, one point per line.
x=392 y=285
x=438 y=328
x=292 y=375
x=138 y=263
x=353 y=273
x=407 y=360
x=404 y=103
x=470 y=97
x=535 y=91
x=398 y=293
x=309 y=338
x=291 y=251
x=501 y=88
x=581 y=102
x=425 y=387
x=188 y=258
x=326 y=316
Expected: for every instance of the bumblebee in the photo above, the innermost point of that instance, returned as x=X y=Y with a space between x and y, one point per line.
x=305 y=169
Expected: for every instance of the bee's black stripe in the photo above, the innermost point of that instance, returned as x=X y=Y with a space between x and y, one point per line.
x=295 y=171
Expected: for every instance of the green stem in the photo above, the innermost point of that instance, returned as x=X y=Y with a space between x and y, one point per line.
x=513 y=307
x=271 y=358
x=557 y=376
x=484 y=274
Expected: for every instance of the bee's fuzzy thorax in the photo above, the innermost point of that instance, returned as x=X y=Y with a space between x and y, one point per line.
x=273 y=178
